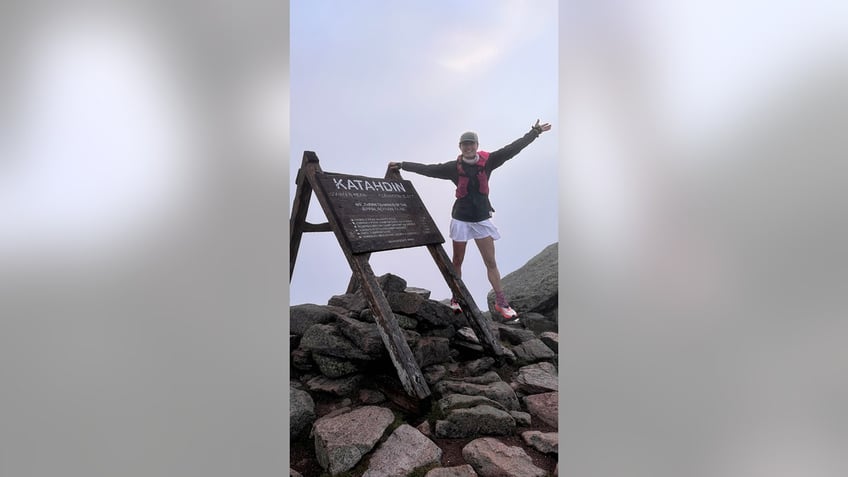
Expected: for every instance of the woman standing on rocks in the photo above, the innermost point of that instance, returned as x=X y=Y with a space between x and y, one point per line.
x=472 y=211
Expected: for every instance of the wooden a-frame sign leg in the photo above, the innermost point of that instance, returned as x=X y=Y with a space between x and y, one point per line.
x=408 y=371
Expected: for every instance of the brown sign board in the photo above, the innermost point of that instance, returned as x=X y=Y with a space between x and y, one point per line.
x=366 y=215
x=377 y=214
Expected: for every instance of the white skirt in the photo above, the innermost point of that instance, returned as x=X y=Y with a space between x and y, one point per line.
x=464 y=231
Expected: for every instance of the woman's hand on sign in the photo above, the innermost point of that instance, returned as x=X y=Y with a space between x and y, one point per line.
x=395 y=166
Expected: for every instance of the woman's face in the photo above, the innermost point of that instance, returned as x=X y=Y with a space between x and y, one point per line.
x=468 y=148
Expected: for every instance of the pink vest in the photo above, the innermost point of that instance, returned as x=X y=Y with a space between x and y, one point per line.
x=462 y=183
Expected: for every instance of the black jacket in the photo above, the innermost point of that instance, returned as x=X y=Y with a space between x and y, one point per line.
x=474 y=207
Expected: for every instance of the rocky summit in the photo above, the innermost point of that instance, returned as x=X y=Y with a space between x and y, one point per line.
x=350 y=415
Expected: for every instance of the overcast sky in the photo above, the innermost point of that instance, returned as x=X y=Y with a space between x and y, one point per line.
x=373 y=82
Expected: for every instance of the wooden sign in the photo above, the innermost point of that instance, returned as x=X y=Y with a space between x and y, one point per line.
x=379 y=214
x=367 y=215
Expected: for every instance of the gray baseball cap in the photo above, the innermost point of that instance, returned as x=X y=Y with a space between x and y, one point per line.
x=468 y=137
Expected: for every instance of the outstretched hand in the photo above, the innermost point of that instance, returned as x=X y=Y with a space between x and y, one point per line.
x=542 y=127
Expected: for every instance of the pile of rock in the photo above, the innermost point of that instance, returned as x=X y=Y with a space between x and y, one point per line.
x=348 y=404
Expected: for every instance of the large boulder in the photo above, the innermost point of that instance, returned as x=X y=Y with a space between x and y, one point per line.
x=301 y=411
x=344 y=386
x=482 y=420
x=545 y=442
x=492 y=458
x=500 y=391
x=545 y=407
x=329 y=341
x=431 y=350
x=354 y=303
x=460 y=401
x=439 y=314
x=539 y=323
x=532 y=351
x=537 y=378
x=342 y=441
x=534 y=286
x=366 y=336
x=332 y=367
x=301 y=317
x=404 y=451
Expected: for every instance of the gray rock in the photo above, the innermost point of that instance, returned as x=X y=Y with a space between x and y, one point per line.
x=522 y=419
x=338 y=409
x=448 y=429
x=534 y=286
x=301 y=360
x=460 y=401
x=423 y=293
x=404 y=321
x=551 y=340
x=499 y=391
x=544 y=406
x=368 y=396
x=510 y=356
x=514 y=335
x=352 y=302
x=457 y=471
x=301 y=317
x=334 y=367
x=544 y=442
x=327 y=340
x=465 y=345
x=391 y=283
x=488 y=377
x=442 y=332
x=366 y=336
x=478 y=366
x=538 y=323
x=482 y=420
x=301 y=411
x=406 y=303
x=433 y=374
x=439 y=314
x=340 y=387
x=411 y=337
x=431 y=350
x=537 y=378
x=342 y=441
x=532 y=351
x=404 y=451
x=492 y=458
x=424 y=428
x=387 y=283
x=294 y=473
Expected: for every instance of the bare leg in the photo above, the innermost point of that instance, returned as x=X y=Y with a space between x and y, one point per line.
x=458 y=256
x=487 y=251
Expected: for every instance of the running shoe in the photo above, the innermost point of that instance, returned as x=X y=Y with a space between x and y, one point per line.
x=455 y=306
x=509 y=315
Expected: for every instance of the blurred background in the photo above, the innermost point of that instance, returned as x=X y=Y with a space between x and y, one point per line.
x=143 y=219
x=702 y=221
x=145 y=181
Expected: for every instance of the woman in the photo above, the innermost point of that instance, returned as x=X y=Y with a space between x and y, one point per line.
x=472 y=211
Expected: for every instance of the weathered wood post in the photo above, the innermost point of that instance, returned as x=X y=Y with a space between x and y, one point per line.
x=368 y=215
x=391 y=334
